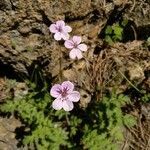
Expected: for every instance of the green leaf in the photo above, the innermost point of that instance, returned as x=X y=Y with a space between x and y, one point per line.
x=109 y=40
x=124 y=22
x=129 y=120
x=108 y=30
x=118 y=31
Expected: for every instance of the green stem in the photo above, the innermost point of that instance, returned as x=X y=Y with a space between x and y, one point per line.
x=129 y=82
x=60 y=64
x=67 y=119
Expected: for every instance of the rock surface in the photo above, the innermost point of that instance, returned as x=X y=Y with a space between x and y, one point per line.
x=27 y=45
x=7 y=133
x=25 y=40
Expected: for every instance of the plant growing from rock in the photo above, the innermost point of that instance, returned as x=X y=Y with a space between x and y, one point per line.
x=114 y=33
x=99 y=126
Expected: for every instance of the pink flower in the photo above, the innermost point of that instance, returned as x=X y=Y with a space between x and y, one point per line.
x=60 y=30
x=65 y=96
x=76 y=47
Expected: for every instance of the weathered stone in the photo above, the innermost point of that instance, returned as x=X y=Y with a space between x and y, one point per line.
x=7 y=133
x=25 y=40
x=139 y=12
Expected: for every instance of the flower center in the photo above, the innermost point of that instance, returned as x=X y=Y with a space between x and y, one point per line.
x=64 y=92
x=59 y=29
x=75 y=45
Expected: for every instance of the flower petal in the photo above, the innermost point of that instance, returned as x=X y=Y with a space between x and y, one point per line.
x=53 y=28
x=76 y=39
x=65 y=36
x=67 y=85
x=60 y=23
x=57 y=36
x=72 y=54
x=74 y=96
x=69 y=44
x=57 y=104
x=67 y=29
x=75 y=53
x=54 y=92
x=67 y=105
x=82 y=47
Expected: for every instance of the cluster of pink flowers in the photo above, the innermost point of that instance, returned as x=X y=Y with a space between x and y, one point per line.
x=64 y=93
x=61 y=32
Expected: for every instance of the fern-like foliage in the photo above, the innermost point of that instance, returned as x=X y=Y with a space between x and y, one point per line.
x=44 y=133
x=108 y=120
x=99 y=127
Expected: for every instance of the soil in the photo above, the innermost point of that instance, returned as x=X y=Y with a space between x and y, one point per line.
x=27 y=46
